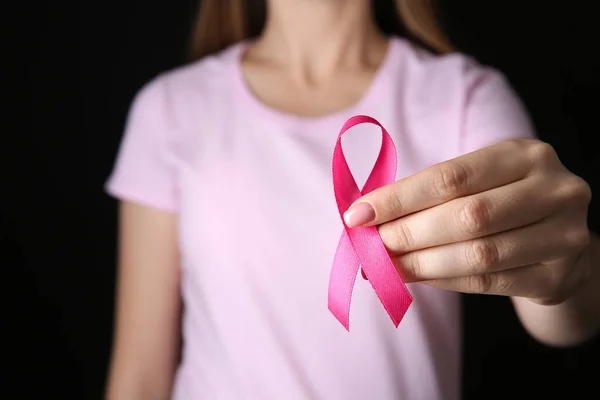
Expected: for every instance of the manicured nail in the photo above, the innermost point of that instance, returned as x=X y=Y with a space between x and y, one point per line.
x=359 y=214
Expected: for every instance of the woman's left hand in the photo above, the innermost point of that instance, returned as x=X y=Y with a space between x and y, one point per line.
x=509 y=219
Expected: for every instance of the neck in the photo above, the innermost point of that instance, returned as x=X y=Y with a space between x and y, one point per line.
x=314 y=37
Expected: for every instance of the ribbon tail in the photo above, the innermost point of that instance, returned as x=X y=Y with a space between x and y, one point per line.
x=341 y=281
x=396 y=306
x=381 y=272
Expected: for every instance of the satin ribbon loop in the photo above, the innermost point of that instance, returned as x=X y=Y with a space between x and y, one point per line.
x=363 y=246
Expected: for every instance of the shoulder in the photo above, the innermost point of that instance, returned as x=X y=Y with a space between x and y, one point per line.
x=447 y=82
x=175 y=93
x=453 y=68
x=205 y=75
x=458 y=94
x=453 y=75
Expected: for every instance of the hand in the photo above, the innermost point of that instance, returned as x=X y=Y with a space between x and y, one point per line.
x=509 y=219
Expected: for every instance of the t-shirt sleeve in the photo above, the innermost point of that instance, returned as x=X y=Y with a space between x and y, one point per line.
x=493 y=112
x=142 y=172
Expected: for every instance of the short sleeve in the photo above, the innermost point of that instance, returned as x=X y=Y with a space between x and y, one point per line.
x=142 y=172
x=493 y=112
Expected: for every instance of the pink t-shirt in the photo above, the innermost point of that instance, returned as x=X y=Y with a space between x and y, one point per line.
x=258 y=225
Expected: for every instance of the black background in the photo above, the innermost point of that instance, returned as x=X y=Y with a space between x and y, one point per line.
x=72 y=73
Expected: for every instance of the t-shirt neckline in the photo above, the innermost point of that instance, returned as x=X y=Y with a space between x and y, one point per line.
x=248 y=99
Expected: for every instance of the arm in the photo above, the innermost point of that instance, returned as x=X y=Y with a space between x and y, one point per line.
x=506 y=219
x=146 y=344
x=495 y=113
x=573 y=321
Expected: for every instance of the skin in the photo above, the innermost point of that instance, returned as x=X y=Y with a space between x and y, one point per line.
x=318 y=57
x=508 y=220
x=146 y=343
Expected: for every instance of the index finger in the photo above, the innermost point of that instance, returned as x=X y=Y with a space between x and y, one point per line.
x=481 y=170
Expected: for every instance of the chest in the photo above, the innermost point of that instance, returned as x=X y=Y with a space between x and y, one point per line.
x=268 y=190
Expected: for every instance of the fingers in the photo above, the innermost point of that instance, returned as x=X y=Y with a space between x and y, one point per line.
x=472 y=173
x=487 y=255
x=534 y=281
x=466 y=218
x=544 y=284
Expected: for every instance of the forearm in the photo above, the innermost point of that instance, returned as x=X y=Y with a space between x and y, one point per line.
x=571 y=322
x=127 y=386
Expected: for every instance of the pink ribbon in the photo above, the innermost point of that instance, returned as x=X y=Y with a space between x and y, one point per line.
x=363 y=246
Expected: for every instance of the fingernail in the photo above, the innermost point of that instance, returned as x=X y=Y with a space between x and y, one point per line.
x=359 y=214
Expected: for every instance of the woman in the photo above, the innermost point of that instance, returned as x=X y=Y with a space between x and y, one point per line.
x=225 y=182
